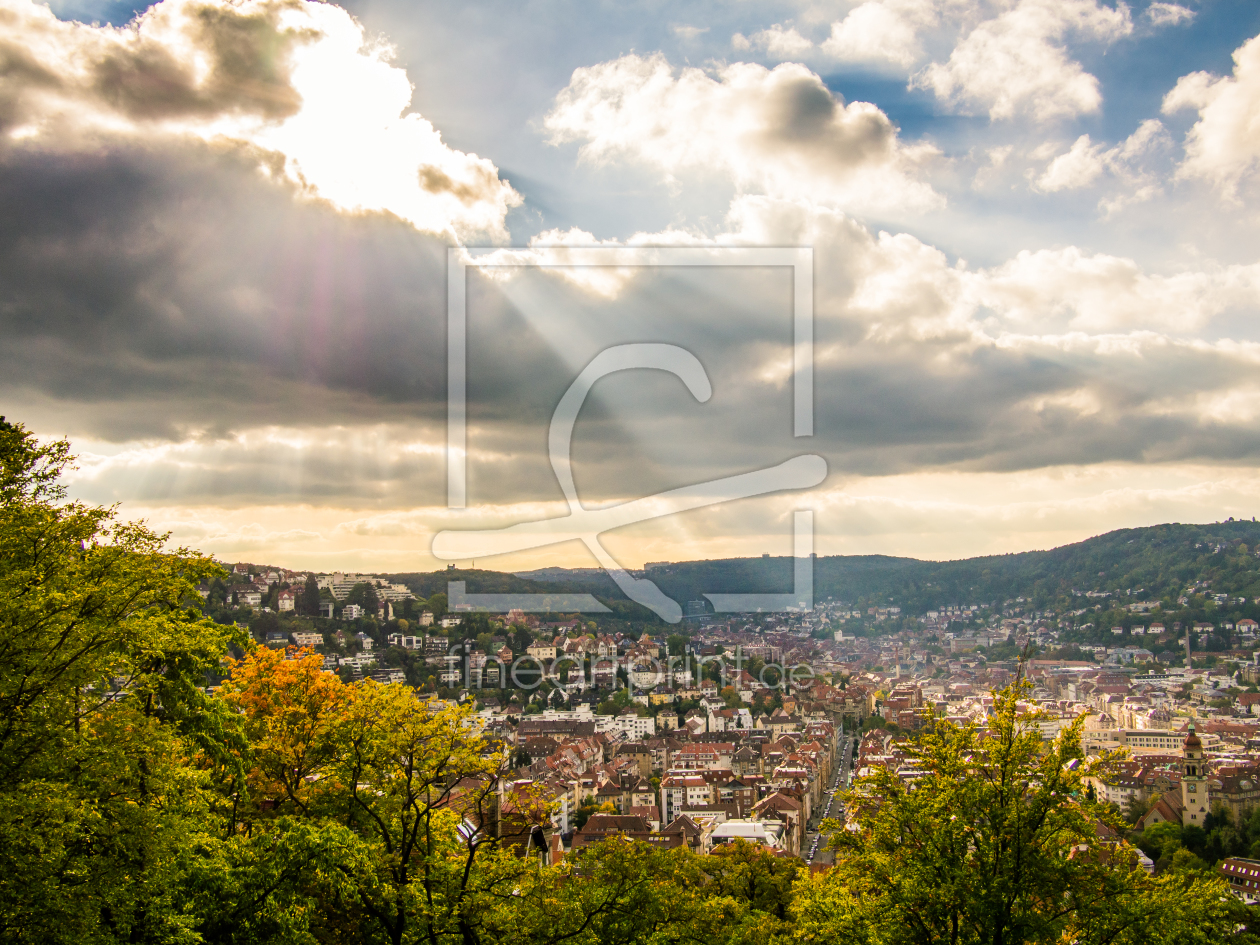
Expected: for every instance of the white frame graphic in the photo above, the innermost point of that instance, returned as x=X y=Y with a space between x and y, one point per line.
x=795 y=473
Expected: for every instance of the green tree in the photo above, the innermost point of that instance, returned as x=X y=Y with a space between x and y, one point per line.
x=751 y=873
x=1135 y=809
x=438 y=604
x=1160 y=841
x=364 y=595
x=521 y=638
x=584 y=812
x=310 y=597
x=103 y=656
x=993 y=843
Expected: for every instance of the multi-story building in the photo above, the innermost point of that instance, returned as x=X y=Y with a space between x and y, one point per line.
x=683 y=790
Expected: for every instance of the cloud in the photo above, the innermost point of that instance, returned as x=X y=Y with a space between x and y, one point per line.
x=177 y=62
x=779 y=131
x=780 y=43
x=689 y=32
x=164 y=289
x=1016 y=64
x=292 y=78
x=1223 y=147
x=1168 y=14
x=1099 y=292
x=881 y=30
x=1053 y=356
x=1079 y=167
x=1085 y=162
x=258 y=358
x=319 y=465
x=943 y=514
x=253 y=348
x=1000 y=513
x=874 y=32
x=553 y=249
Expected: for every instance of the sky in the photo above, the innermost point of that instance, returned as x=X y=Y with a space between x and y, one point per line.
x=226 y=228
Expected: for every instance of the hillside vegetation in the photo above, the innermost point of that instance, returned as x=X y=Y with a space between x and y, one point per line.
x=1160 y=561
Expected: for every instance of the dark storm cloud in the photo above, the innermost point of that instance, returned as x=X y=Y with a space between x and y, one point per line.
x=243 y=67
x=247 y=70
x=178 y=274
x=172 y=291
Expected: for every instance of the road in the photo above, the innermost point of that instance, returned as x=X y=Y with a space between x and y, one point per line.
x=830 y=806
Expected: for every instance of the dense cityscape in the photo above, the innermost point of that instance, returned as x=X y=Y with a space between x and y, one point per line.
x=746 y=725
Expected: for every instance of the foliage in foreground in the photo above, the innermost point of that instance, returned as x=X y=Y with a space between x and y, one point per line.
x=997 y=841
x=292 y=807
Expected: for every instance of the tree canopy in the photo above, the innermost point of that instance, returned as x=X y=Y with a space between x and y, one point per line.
x=996 y=840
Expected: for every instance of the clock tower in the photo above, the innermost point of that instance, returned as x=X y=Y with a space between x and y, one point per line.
x=1194 y=782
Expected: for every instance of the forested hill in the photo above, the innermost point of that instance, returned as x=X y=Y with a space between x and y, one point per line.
x=1163 y=560
x=426 y=583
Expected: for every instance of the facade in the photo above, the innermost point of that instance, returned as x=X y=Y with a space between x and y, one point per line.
x=1236 y=789
x=1243 y=877
x=679 y=791
x=763 y=833
x=1139 y=741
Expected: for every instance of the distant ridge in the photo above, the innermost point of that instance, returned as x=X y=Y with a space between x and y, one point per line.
x=559 y=574
x=1160 y=559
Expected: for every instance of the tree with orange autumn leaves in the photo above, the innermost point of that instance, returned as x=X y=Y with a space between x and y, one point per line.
x=413 y=790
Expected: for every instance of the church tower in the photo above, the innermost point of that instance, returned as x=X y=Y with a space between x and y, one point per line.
x=1194 y=782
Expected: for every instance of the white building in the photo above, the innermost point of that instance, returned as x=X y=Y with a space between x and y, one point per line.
x=634 y=727
x=767 y=833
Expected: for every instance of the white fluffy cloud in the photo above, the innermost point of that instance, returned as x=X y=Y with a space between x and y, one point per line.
x=881 y=30
x=1168 y=14
x=781 y=43
x=1085 y=162
x=1016 y=63
x=779 y=132
x=875 y=32
x=1099 y=292
x=1079 y=167
x=295 y=79
x=1223 y=147
x=902 y=289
